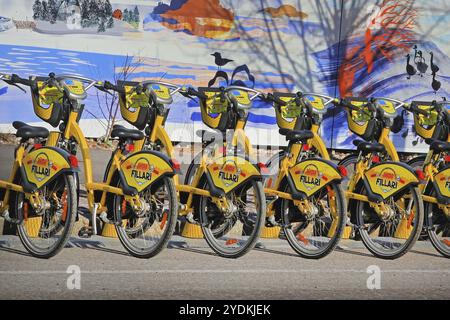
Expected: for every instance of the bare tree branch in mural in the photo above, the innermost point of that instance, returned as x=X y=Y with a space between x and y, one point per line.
x=274 y=52
x=108 y=104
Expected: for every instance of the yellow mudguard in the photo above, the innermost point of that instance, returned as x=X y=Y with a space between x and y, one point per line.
x=442 y=182
x=388 y=178
x=141 y=169
x=311 y=175
x=231 y=171
x=44 y=164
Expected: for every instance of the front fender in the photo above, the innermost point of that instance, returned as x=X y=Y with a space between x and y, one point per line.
x=227 y=173
x=141 y=169
x=388 y=178
x=309 y=176
x=41 y=166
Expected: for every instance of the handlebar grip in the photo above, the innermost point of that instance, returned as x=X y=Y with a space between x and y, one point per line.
x=416 y=109
x=276 y=100
x=347 y=104
x=109 y=86
x=193 y=92
x=16 y=79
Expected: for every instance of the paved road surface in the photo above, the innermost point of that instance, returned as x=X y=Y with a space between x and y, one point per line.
x=189 y=270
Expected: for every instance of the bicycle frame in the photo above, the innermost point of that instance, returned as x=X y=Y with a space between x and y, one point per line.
x=429 y=171
x=362 y=164
x=158 y=133
x=72 y=130
x=9 y=184
x=24 y=163
x=293 y=152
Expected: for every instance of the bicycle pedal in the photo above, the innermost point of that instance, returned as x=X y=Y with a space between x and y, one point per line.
x=85 y=232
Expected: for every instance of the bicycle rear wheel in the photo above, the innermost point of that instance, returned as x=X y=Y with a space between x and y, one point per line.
x=315 y=234
x=393 y=233
x=246 y=216
x=44 y=232
x=438 y=226
x=146 y=233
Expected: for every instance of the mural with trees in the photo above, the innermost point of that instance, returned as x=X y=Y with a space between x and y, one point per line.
x=334 y=47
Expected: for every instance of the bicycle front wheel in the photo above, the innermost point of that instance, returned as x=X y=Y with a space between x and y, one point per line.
x=246 y=214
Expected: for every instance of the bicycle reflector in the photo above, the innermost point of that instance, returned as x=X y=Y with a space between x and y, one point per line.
x=129 y=147
x=343 y=171
x=420 y=174
x=73 y=161
x=175 y=164
x=263 y=168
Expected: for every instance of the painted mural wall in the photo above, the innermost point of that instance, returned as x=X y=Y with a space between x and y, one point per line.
x=334 y=47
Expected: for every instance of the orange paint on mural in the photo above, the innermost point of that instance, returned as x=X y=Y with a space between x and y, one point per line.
x=385 y=36
x=205 y=18
x=285 y=10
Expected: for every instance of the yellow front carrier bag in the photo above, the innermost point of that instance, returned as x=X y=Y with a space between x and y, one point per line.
x=426 y=126
x=288 y=116
x=360 y=122
x=216 y=114
x=135 y=107
x=47 y=102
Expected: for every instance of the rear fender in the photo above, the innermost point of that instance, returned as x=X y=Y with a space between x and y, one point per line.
x=441 y=184
x=43 y=165
x=388 y=178
x=227 y=173
x=141 y=169
x=310 y=176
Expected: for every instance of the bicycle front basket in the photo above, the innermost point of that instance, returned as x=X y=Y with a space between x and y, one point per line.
x=135 y=107
x=47 y=102
x=215 y=113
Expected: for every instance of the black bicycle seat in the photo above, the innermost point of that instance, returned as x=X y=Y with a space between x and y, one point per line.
x=26 y=131
x=365 y=146
x=121 y=132
x=440 y=146
x=296 y=135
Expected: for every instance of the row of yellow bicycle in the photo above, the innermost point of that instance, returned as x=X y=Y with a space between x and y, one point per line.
x=369 y=196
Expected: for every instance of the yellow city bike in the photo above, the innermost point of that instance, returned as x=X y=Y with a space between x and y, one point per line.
x=40 y=194
x=224 y=195
x=432 y=123
x=384 y=203
x=137 y=195
x=309 y=202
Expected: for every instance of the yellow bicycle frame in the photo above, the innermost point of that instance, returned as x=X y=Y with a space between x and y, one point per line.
x=158 y=133
x=74 y=131
x=289 y=161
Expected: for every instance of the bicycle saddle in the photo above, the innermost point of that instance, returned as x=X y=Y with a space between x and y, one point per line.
x=121 y=132
x=439 y=146
x=296 y=135
x=26 y=131
x=365 y=146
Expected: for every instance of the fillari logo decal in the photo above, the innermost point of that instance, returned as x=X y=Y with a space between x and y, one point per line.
x=229 y=173
x=41 y=167
x=387 y=180
x=142 y=171
x=310 y=177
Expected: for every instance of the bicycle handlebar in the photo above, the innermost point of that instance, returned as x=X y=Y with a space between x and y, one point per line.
x=271 y=98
